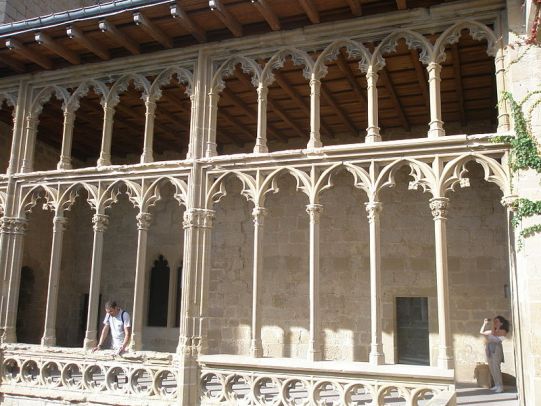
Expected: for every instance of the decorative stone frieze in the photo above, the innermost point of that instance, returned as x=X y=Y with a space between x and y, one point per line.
x=438 y=206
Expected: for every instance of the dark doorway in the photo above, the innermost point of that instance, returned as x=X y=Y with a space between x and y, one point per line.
x=159 y=293
x=412 y=330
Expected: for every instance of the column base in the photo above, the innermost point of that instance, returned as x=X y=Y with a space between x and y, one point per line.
x=9 y=335
x=255 y=349
x=89 y=343
x=64 y=166
x=211 y=150
x=48 y=341
x=445 y=361
x=261 y=149
x=314 y=355
x=436 y=129
x=314 y=144
x=135 y=343
x=372 y=135
x=147 y=159
x=104 y=162
x=376 y=356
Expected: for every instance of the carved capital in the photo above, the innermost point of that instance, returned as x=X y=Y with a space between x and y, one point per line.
x=258 y=214
x=59 y=223
x=100 y=221
x=434 y=68
x=510 y=202
x=207 y=218
x=314 y=211
x=150 y=105
x=200 y=218
x=438 y=206
x=17 y=225
x=143 y=221
x=262 y=92
x=373 y=209
x=315 y=86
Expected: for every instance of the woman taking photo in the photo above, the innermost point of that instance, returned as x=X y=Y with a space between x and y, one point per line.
x=493 y=347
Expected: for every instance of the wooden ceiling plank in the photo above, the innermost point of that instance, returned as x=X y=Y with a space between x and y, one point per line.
x=264 y=7
x=310 y=9
x=49 y=43
x=226 y=17
x=238 y=125
x=119 y=37
x=402 y=4
x=329 y=99
x=91 y=45
x=31 y=55
x=11 y=63
x=458 y=84
x=288 y=120
x=355 y=6
x=383 y=74
x=344 y=66
x=186 y=22
x=152 y=29
x=421 y=78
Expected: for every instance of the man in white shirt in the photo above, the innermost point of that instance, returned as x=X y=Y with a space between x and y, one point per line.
x=118 y=322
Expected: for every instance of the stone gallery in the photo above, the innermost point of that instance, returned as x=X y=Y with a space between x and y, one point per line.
x=298 y=202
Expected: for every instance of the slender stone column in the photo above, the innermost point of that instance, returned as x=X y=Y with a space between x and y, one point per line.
x=315 y=111
x=100 y=222
x=207 y=222
x=372 y=131
x=18 y=229
x=256 y=348
x=438 y=206
x=107 y=133
x=150 y=114
x=434 y=81
x=261 y=140
x=30 y=142
x=314 y=346
x=193 y=125
x=143 y=224
x=49 y=335
x=67 y=138
x=5 y=245
x=214 y=97
x=503 y=108
x=376 y=348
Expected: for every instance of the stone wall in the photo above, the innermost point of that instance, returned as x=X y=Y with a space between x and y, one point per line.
x=5 y=146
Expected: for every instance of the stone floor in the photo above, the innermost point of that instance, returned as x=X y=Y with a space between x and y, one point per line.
x=468 y=395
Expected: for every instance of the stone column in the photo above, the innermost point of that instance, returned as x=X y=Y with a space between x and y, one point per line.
x=18 y=229
x=67 y=138
x=143 y=224
x=261 y=140
x=193 y=125
x=438 y=206
x=434 y=81
x=376 y=348
x=315 y=119
x=503 y=108
x=30 y=142
x=372 y=131
x=100 y=222
x=314 y=345
x=49 y=334
x=214 y=97
x=207 y=222
x=5 y=245
x=107 y=133
x=256 y=348
x=150 y=114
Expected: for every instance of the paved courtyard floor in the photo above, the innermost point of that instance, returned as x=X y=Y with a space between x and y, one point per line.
x=468 y=395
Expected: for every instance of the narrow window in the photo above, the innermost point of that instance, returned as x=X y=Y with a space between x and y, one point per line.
x=412 y=330
x=159 y=293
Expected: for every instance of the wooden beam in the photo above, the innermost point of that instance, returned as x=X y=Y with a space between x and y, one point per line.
x=91 y=45
x=119 y=37
x=226 y=17
x=11 y=63
x=310 y=9
x=344 y=66
x=268 y=14
x=421 y=78
x=240 y=127
x=304 y=106
x=355 y=6
x=33 y=56
x=329 y=99
x=458 y=84
x=186 y=22
x=386 y=80
x=402 y=4
x=288 y=120
x=45 y=40
x=152 y=29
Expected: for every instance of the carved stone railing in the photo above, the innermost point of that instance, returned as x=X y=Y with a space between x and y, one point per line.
x=72 y=375
x=234 y=380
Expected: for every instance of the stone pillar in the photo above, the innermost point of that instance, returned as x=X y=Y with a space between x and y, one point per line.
x=256 y=348
x=438 y=206
x=5 y=245
x=49 y=334
x=18 y=229
x=193 y=125
x=100 y=222
x=150 y=114
x=107 y=133
x=376 y=348
x=434 y=81
x=143 y=224
x=214 y=97
x=372 y=131
x=503 y=107
x=314 y=345
x=30 y=143
x=261 y=140
x=315 y=119
x=67 y=138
